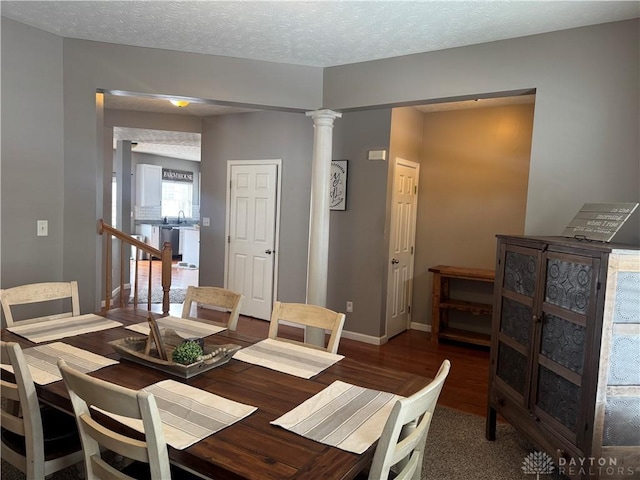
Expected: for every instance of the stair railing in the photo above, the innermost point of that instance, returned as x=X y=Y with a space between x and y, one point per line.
x=126 y=241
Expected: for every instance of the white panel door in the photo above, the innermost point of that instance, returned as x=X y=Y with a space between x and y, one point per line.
x=401 y=246
x=252 y=236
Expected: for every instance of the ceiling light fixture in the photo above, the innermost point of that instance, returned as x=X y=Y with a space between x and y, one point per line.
x=179 y=103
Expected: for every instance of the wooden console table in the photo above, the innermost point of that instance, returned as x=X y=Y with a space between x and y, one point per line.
x=442 y=303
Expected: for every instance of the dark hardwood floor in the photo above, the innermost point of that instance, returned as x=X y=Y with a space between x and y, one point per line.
x=412 y=351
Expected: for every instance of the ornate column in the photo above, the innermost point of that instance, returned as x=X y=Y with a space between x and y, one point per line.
x=318 y=259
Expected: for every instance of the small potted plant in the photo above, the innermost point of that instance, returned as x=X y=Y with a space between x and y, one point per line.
x=187 y=352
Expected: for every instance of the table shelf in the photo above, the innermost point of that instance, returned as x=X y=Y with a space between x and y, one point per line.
x=465 y=306
x=466 y=336
x=442 y=304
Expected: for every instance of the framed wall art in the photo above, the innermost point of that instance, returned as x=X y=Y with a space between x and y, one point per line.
x=338 y=185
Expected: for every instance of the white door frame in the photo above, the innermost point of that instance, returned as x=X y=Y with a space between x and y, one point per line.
x=276 y=252
x=416 y=166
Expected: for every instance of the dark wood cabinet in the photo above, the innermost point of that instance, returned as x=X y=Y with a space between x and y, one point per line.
x=555 y=338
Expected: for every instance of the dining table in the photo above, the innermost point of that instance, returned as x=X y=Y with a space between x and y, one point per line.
x=251 y=448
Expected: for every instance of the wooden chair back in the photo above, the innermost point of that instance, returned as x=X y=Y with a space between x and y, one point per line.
x=40 y=292
x=86 y=392
x=216 y=297
x=308 y=316
x=404 y=436
x=20 y=415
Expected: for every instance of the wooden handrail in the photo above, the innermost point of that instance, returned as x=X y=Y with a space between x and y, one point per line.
x=125 y=239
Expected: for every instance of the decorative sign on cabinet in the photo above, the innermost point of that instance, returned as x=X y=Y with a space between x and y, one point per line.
x=599 y=221
x=564 y=350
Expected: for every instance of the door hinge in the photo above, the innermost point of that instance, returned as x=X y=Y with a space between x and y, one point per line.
x=229 y=184
x=229 y=239
x=598 y=286
x=415 y=189
x=408 y=308
x=411 y=249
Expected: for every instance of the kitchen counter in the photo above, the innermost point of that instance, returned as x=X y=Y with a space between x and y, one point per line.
x=184 y=237
x=159 y=223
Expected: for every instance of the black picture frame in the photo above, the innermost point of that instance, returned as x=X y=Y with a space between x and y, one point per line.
x=338 y=185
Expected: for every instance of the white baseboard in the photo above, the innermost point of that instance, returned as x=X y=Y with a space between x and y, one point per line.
x=360 y=337
x=115 y=292
x=423 y=327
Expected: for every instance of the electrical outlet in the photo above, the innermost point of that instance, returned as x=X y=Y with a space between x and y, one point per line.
x=349 y=307
x=43 y=228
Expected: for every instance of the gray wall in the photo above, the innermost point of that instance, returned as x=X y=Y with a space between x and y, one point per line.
x=152 y=120
x=72 y=70
x=32 y=155
x=585 y=135
x=357 y=234
x=585 y=143
x=357 y=248
x=258 y=136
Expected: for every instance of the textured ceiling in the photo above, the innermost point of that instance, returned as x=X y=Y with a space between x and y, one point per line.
x=183 y=145
x=316 y=33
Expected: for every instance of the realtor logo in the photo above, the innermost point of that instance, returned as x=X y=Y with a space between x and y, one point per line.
x=537 y=463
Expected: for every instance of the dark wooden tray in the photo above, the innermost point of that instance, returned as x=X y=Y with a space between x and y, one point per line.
x=133 y=349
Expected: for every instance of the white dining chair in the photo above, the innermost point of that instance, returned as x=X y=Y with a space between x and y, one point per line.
x=66 y=292
x=216 y=298
x=146 y=458
x=37 y=441
x=308 y=316
x=405 y=433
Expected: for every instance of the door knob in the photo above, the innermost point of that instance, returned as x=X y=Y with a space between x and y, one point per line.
x=394 y=261
x=268 y=251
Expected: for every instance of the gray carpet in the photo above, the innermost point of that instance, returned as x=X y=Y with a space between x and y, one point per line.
x=176 y=295
x=456 y=450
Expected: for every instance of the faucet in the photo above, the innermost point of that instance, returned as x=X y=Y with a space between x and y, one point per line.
x=183 y=217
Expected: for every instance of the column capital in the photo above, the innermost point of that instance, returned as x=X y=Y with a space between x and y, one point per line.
x=324 y=117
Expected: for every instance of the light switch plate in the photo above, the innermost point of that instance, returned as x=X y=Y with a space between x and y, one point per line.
x=206 y=221
x=43 y=228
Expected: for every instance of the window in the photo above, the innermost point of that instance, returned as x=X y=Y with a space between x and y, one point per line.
x=176 y=197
